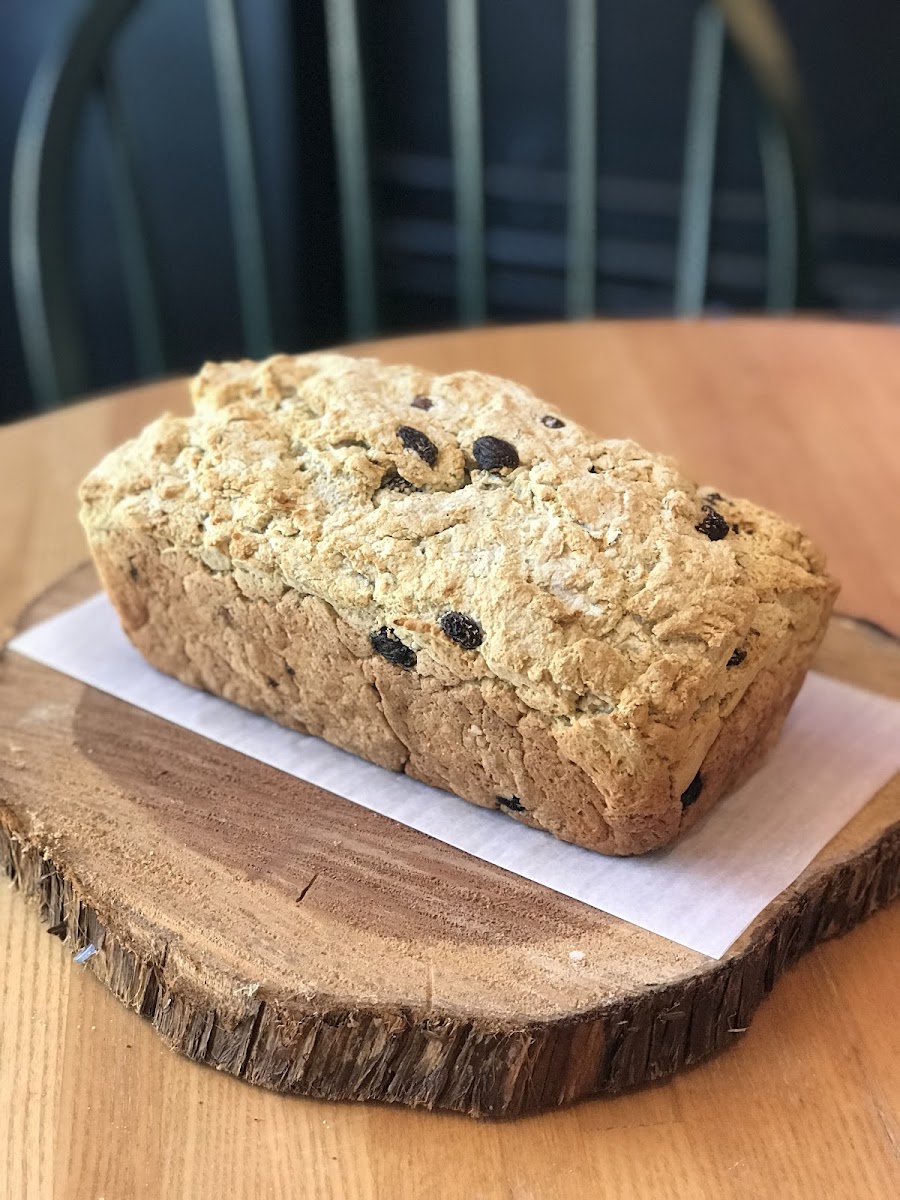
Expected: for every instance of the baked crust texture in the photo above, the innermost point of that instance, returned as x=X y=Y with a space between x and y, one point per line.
x=444 y=576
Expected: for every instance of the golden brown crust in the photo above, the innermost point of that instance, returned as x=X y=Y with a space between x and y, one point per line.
x=268 y=531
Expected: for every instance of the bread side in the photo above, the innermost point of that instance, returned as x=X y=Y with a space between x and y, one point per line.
x=439 y=574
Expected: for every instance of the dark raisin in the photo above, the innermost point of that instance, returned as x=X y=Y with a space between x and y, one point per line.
x=394 y=480
x=415 y=439
x=386 y=643
x=290 y=671
x=736 y=659
x=513 y=803
x=273 y=683
x=462 y=629
x=493 y=454
x=692 y=791
x=424 y=402
x=552 y=422
x=713 y=524
x=133 y=571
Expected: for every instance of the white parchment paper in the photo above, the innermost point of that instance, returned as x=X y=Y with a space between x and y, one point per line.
x=839 y=747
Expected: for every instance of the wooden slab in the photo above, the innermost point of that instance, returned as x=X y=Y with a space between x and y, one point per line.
x=300 y=942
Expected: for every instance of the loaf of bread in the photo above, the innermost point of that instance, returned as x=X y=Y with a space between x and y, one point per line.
x=444 y=576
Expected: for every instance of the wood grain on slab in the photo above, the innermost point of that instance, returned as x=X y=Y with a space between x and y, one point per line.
x=801 y=415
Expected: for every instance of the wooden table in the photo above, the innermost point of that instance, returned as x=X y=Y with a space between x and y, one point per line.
x=803 y=416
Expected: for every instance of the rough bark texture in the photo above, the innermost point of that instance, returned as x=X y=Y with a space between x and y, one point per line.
x=466 y=1065
x=450 y=1037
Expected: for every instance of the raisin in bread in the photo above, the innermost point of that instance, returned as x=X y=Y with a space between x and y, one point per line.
x=441 y=575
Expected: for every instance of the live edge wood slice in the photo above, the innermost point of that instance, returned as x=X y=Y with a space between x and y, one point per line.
x=298 y=941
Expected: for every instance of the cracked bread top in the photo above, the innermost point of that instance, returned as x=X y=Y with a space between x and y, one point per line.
x=458 y=518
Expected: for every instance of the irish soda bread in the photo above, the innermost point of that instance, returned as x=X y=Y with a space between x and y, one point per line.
x=442 y=575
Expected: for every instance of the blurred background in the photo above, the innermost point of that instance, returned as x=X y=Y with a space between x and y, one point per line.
x=193 y=179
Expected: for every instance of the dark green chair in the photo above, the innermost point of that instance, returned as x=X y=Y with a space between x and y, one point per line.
x=50 y=320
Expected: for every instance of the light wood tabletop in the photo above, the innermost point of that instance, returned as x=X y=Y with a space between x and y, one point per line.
x=802 y=416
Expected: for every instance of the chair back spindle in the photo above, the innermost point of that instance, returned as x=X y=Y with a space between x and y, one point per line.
x=50 y=321
x=352 y=157
x=581 y=230
x=464 y=78
x=242 y=177
x=141 y=289
x=698 y=174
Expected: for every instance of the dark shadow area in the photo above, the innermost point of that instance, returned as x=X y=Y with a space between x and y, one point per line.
x=163 y=61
